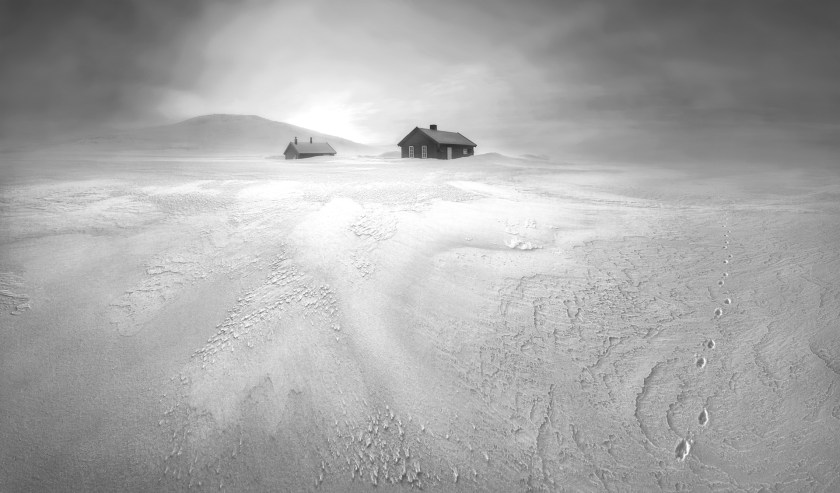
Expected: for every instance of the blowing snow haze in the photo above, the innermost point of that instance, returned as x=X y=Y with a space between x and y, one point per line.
x=247 y=134
x=632 y=284
x=639 y=80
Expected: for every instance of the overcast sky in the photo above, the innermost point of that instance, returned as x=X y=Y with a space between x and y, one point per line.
x=537 y=76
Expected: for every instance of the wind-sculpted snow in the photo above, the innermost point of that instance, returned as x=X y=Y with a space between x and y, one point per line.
x=351 y=324
x=12 y=298
x=375 y=224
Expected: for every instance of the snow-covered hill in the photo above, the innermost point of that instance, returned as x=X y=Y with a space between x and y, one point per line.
x=220 y=133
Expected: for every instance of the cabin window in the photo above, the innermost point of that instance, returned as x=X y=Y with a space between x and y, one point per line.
x=465 y=151
x=423 y=152
x=410 y=151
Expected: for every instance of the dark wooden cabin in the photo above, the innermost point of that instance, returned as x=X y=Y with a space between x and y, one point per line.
x=431 y=143
x=304 y=150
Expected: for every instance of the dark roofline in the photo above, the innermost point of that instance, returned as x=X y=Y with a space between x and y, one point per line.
x=473 y=144
x=426 y=131
x=408 y=135
x=296 y=147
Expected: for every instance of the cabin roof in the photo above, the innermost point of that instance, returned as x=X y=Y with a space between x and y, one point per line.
x=311 y=148
x=442 y=137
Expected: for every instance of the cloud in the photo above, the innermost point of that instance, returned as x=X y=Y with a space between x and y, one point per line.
x=544 y=75
x=75 y=62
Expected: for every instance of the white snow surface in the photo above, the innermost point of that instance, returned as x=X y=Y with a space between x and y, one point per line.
x=483 y=324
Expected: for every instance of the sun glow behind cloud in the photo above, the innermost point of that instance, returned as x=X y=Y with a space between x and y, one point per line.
x=368 y=74
x=336 y=118
x=539 y=76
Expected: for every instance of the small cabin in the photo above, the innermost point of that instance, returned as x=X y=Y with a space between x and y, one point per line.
x=431 y=143
x=304 y=150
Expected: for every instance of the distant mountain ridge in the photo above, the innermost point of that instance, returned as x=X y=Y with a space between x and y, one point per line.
x=250 y=134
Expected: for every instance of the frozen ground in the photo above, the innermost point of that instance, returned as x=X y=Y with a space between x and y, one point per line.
x=489 y=323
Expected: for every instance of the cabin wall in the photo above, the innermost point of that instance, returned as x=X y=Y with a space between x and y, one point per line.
x=435 y=151
x=458 y=151
x=304 y=155
x=417 y=140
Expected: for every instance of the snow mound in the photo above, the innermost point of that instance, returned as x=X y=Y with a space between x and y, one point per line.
x=517 y=244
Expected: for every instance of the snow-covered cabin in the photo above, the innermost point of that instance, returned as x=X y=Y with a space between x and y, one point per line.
x=304 y=150
x=432 y=143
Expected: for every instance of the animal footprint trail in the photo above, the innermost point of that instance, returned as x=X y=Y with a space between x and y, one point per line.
x=683 y=448
x=703 y=418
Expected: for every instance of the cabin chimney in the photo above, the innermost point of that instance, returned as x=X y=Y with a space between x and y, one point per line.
x=295 y=140
x=310 y=140
x=432 y=127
